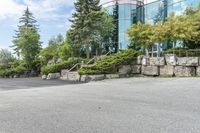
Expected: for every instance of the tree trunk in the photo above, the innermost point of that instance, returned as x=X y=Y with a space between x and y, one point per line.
x=147 y=52
x=97 y=53
x=88 y=52
x=174 y=45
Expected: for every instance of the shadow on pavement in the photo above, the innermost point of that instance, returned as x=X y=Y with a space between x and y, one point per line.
x=26 y=83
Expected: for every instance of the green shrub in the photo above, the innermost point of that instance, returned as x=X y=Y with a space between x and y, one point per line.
x=6 y=72
x=20 y=70
x=12 y=68
x=181 y=52
x=58 y=67
x=110 y=64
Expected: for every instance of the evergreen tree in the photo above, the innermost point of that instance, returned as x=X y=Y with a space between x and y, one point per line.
x=115 y=32
x=86 y=24
x=26 y=41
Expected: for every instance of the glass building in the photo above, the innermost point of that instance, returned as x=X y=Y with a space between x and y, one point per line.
x=127 y=12
x=179 y=6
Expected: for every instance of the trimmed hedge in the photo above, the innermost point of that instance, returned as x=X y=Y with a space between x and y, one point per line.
x=110 y=64
x=58 y=67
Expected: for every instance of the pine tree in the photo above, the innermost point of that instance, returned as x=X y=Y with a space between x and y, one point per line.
x=26 y=41
x=86 y=23
x=116 y=22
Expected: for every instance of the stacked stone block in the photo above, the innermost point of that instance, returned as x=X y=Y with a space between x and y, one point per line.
x=169 y=66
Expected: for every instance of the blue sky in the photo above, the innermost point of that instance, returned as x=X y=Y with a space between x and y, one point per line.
x=52 y=16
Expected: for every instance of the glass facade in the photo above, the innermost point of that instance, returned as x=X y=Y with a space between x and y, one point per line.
x=125 y=21
x=128 y=12
x=179 y=6
x=154 y=12
x=132 y=11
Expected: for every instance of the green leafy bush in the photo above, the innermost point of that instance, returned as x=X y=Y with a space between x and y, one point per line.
x=20 y=70
x=181 y=52
x=58 y=67
x=110 y=64
x=16 y=67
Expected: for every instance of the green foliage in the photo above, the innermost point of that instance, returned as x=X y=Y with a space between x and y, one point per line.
x=174 y=29
x=13 y=68
x=193 y=15
x=141 y=35
x=179 y=28
x=89 y=25
x=65 y=50
x=51 y=51
x=110 y=64
x=26 y=42
x=6 y=57
x=58 y=67
x=58 y=40
x=105 y=32
x=183 y=52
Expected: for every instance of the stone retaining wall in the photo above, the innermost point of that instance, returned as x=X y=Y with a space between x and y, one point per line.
x=167 y=66
x=170 y=65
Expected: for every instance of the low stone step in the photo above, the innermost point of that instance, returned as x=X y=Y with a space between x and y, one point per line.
x=71 y=76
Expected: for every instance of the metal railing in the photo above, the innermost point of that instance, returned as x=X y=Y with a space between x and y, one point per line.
x=184 y=52
x=76 y=65
x=91 y=60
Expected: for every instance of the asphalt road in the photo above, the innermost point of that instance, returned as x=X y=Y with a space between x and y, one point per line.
x=27 y=83
x=134 y=105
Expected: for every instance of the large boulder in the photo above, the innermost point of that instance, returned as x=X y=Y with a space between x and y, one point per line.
x=84 y=78
x=136 y=69
x=73 y=76
x=166 y=70
x=187 y=61
x=198 y=71
x=145 y=61
x=170 y=59
x=181 y=61
x=139 y=59
x=125 y=69
x=150 y=70
x=50 y=62
x=192 y=61
x=157 y=61
x=64 y=72
x=184 y=71
x=58 y=61
x=53 y=76
x=44 y=77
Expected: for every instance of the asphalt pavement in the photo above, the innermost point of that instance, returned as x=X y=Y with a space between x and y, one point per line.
x=133 y=105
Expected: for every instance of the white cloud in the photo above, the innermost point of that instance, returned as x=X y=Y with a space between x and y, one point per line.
x=42 y=9
x=10 y=8
x=48 y=9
